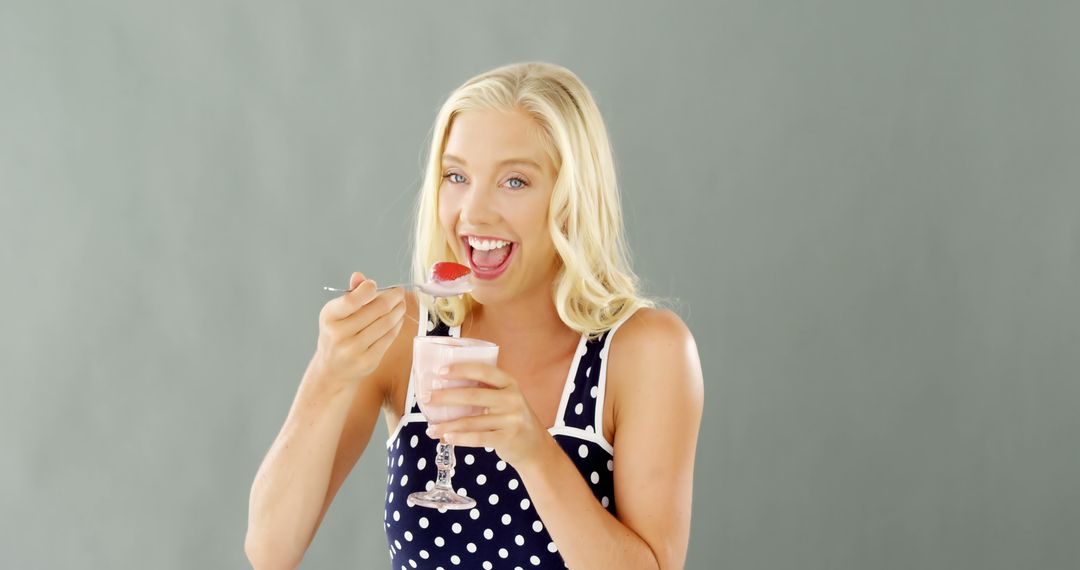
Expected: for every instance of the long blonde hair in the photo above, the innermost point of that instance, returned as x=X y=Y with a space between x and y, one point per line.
x=595 y=285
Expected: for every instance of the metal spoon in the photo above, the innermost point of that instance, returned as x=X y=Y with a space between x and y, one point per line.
x=433 y=289
x=405 y=285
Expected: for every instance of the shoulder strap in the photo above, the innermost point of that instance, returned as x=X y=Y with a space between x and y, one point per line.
x=601 y=388
x=584 y=408
x=579 y=393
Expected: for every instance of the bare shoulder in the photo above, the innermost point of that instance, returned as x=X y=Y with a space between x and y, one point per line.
x=652 y=335
x=654 y=358
x=654 y=329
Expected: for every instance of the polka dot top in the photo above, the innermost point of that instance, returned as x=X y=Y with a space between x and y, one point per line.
x=504 y=530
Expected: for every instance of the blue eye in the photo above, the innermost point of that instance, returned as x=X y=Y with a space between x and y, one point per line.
x=522 y=184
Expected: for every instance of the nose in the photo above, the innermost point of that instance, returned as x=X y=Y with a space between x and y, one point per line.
x=477 y=210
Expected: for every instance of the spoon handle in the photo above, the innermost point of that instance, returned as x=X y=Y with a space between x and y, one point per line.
x=405 y=285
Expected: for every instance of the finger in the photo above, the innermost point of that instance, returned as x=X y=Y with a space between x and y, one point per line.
x=381 y=326
x=483 y=422
x=381 y=304
x=380 y=346
x=355 y=279
x=494 y=400
x=362 y=293
x=473 y=438
x=479 y=371
x=348 y=303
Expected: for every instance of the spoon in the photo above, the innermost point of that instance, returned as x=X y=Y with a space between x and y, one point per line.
x=447 y=280
x=404 y=285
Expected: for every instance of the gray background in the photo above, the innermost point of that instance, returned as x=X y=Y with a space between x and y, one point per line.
x=868 y=213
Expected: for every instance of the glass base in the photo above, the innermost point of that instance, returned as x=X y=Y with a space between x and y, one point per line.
x=442 y=499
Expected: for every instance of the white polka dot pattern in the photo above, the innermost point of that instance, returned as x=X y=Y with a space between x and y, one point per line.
x=504 y=530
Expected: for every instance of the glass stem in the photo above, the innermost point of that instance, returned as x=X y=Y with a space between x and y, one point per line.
x=444 y=461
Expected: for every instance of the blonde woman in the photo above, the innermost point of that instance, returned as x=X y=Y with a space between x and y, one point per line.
x=585 y=455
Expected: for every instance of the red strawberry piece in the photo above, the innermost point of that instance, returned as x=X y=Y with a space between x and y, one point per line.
x=444 y=271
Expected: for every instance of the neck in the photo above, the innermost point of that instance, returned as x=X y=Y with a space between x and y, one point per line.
x=529 y=320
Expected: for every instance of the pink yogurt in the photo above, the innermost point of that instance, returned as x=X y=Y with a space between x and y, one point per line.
x=433 y=352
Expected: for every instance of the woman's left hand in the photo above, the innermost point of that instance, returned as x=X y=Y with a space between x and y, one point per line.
x=509 y=424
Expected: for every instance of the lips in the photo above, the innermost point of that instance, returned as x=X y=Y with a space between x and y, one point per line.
x=483 y=273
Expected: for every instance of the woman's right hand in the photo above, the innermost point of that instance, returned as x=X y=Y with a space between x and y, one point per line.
x=356 y=329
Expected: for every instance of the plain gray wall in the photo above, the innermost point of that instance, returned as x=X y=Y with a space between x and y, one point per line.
x=868 y=211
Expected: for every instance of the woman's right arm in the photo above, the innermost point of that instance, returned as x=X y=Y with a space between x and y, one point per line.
x=341 y=392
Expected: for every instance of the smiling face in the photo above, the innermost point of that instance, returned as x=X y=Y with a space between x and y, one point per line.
x=496 y=185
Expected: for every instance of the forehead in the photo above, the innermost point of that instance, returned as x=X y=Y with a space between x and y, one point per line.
x=484 y=138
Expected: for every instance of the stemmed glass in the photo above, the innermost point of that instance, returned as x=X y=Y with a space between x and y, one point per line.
x=430 y=353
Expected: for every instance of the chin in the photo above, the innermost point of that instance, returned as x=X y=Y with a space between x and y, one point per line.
x=490 y=295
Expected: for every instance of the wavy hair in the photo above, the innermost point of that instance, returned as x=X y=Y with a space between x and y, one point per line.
x=595 y=285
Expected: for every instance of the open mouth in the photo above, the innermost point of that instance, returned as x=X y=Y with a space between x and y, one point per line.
x=489 y=264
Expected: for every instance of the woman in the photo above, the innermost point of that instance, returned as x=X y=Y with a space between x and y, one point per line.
x=584 y=457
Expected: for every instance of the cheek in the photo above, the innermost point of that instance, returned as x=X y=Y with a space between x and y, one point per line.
x=447 y=214
x=539 y=240
x=540 y=233
x=547 y=247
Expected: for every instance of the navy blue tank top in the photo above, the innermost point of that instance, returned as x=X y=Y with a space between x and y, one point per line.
x=504 y=530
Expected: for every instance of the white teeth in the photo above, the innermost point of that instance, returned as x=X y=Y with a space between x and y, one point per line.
x=486 y=244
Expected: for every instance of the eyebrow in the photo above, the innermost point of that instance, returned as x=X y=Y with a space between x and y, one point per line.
x=524 y=161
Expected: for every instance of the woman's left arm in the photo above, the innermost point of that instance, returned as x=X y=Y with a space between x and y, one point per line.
x=657 y=407
x=657 y=413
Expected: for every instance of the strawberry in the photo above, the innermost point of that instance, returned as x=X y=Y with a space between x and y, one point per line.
x=444 y=271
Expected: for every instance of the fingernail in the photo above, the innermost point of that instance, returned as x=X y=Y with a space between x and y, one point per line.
x=430 y=431
x=443 y=371
x=436 y=385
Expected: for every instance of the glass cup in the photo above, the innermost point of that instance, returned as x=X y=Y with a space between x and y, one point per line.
x=430 y=353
